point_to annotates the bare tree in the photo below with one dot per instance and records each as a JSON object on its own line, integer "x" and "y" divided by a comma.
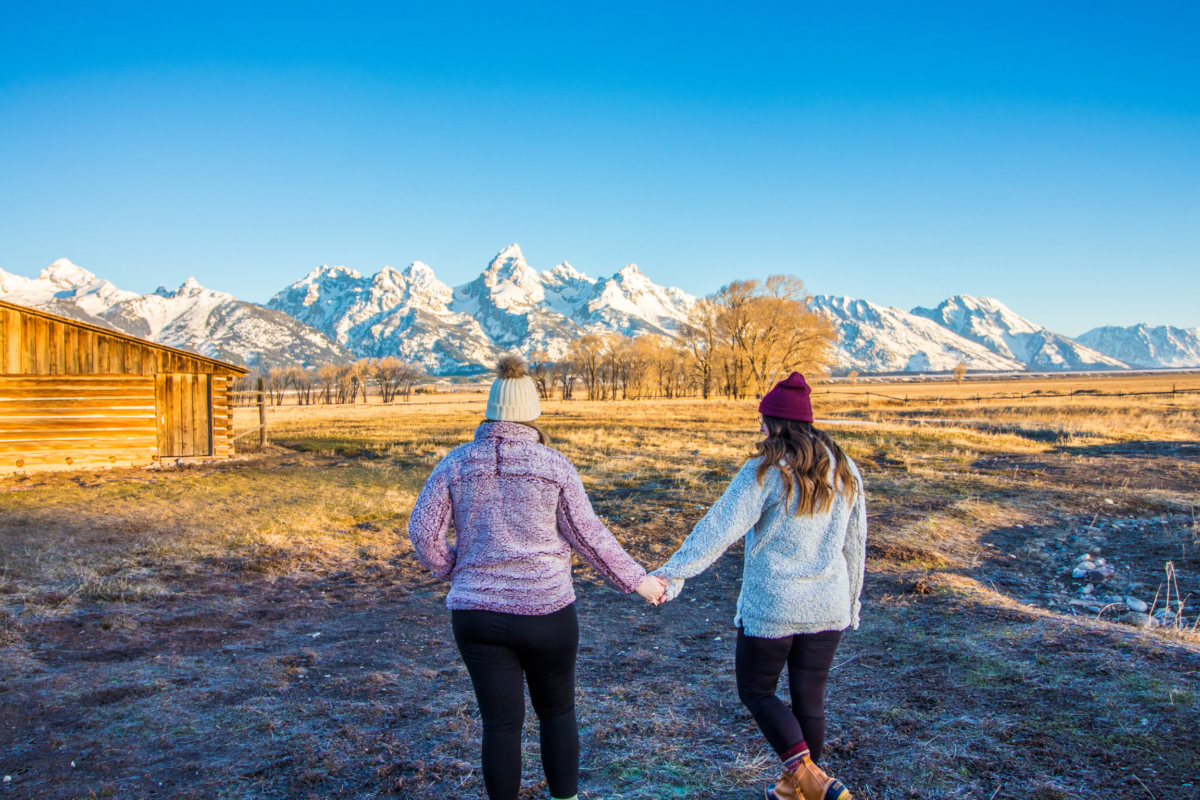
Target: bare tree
{"x": 358, "y": 374}
{"x": 562, "y": 375}
{"x": 589, "y": 355}
{"x": 326, "y": 379}
{"x": 277, "y": 382}
{"x": 387, "y": 373}
{"x": 302, "y": 381}
{"x": 343, "y": 384}
{"x": 699, "y": 339}
{"x": 409, "y": 375}
{"x": 539, "y": 370}
{"x": 960, "y": 372}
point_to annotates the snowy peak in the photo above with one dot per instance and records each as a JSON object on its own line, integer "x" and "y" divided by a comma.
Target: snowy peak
{"x": 566, "y": 288}
{"x": 565, "y": 274}
{"x": 63, "y": 284}
{"x": 872, "y": 338}
{"x": 995, "y": 326}
{"x": 1143, "y": 346}
{"x": 192, "y": 317}
{"x": 629, "y": 301}
{"x": 508, "y": 283}
{"x": 510, "y": 305}
{"x": 65, "y": 275}
{"x": 326, "y": 273}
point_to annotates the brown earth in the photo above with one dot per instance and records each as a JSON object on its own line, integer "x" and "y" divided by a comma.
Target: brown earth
{"x": 285, "y": 671}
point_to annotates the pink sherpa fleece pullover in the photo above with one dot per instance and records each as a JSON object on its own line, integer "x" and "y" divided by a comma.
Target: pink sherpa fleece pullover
{"x": 518, "y": 509}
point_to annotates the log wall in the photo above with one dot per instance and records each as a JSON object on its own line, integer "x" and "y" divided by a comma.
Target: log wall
{"x": 73, "y": 395}
{"x": 36, "y": 343}
{"x": 73, "y": 422}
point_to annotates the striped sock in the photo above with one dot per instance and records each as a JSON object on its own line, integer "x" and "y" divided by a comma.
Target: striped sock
{"x": 793, "y": 757}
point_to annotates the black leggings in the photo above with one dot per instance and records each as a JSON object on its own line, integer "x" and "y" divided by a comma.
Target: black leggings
{"x": 808, "y": 657}
{"x": 501, "y": 652}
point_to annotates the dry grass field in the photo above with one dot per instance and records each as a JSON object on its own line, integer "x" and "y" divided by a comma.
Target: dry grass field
{"x": 261, "y": 629}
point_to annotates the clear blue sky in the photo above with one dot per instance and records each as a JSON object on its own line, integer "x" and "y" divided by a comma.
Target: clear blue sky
{"x": 1047, "y": 154}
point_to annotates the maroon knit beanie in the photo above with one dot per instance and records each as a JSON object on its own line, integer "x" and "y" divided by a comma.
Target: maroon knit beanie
{"x": 790, "y": 399}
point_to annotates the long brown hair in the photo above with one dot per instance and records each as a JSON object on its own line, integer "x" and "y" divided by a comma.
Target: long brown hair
{"x": 543, "y": 437}
{"x": 794, "y": 447}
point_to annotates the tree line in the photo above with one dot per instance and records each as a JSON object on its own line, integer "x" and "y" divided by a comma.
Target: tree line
{"x": 337, "y": 383}
{"x": 737, "y": 342}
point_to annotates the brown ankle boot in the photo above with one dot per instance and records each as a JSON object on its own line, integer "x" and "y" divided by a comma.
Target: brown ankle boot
{"x": 808, "y": 782}
{"x": 783, "y": 790}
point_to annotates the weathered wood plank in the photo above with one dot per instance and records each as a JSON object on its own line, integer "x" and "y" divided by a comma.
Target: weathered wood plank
{"x": 58, "y": 348}
{"x": 81, "y": 426}
{"x": 75, "y": 380}
{"x": 60, "y": 411}
{"x": 186, "y": 422}
{"x": 29, "y": 348}
{"x": 75, "y": 405}
{"x": 160, "y": 411}
{"x": 8, "y": 335}
{"x": 204, "y": 415}
{"x": 63, "y": 445}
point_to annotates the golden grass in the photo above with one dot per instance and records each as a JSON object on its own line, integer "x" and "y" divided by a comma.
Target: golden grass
{"x": 128, "y": 534}
{"x": 120, "y": 540}
{"x": 1048, "y": 407}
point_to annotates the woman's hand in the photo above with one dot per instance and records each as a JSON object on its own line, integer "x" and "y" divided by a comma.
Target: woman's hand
{"x": 653, "y": 590}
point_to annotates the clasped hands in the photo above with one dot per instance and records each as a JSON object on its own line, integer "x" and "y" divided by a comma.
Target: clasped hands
{"x": 653, "y": 590}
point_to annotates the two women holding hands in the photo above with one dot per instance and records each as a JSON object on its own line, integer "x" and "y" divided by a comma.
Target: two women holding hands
{"x": 519, "y": 510}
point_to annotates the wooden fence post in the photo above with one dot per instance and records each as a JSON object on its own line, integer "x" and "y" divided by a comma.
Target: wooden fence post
{"x": 262, "y": 415}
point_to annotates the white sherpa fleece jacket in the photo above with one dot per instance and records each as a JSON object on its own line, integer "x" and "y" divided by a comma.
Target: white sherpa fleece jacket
{"x": 803, "y": 574}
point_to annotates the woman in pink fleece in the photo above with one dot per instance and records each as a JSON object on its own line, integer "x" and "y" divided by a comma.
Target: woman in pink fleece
{"x": 518, "y": 509}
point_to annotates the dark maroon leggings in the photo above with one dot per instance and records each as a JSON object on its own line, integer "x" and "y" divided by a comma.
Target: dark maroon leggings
{"x": 808, "y": 657}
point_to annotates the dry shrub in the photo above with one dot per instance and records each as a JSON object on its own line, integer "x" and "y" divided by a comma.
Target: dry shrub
{"x": 898, "y": 553}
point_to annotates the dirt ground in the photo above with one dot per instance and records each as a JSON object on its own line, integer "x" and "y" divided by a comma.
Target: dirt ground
{"x": 284, "y": 664}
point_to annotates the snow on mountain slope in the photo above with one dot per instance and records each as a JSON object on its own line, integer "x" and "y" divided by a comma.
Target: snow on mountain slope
{"x": 877, "y": 339}
{"x": 510, "y": 306}
{"x": 631, "y": 303}
{"x": 1146, "y": 347}
{"x": 193, "y": 318}
{"x": 508, "y": 302}
{"x": 566, "y": 288}
{"x": 404, "y": 313}
{"x": 64, "y": 289}
{"x": 995, "y": 326}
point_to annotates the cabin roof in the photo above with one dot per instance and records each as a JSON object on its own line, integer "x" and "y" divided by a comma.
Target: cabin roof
{"x": 116, "y": 334}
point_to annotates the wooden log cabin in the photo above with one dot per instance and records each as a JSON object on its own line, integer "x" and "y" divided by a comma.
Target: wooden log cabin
{"x": 77, "y": 396}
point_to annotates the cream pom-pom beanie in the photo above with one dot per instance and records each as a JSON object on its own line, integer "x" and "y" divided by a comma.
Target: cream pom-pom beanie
{"x": 513, "y": 398}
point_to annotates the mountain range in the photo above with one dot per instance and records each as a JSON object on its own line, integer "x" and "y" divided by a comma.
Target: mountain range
{"x": 510, "y": 306}
{"x": 335, "y": 314}
{"x": 211, "y": 323}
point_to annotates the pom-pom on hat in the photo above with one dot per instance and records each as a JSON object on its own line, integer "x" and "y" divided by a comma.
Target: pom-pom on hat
{"x": 790, "y": 399}
{"x": 513, "y": 398}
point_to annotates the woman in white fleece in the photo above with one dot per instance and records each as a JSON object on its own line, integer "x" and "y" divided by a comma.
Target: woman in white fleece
{"x": 799, "y": 503}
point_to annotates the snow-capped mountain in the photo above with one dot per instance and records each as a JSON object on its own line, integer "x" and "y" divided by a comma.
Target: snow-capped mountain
{"x": 873, "y": 338}
{"x": 1146, "y": 347}
{"x": 510, "y": 306}
{"x": 208, "y": 322}
{"x": 405, "y": 313}
{"x": 995, "y": 326}
{"x": 334, "y": 314}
